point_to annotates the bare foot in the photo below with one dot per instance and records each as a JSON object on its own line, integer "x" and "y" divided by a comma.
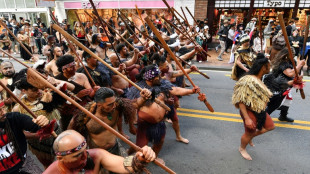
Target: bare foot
{"x": 183, "y": 140}
{"x": 251, "y": 143}
{"x": 245, "y": 154}
{"x": 161, "y": 161}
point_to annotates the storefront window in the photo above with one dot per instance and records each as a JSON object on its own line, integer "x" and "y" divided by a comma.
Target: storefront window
{"x": 20, "y": 3}
{"x": 10, "y": 4}
{"x": 304, "y": 4}
{"x": 3, "y": 3}
{"x": 30, "y": 4}
{"x": 232, "y": 4}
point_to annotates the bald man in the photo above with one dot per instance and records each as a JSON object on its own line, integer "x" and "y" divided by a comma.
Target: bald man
{"x": 73, "y": 157}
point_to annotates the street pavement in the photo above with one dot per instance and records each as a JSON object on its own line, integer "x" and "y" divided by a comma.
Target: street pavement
{"x": 215, "y": 137}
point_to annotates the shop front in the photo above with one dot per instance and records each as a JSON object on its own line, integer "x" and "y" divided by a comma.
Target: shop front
{"x": 241, "y": 11}
{"x": 108, "y": 9}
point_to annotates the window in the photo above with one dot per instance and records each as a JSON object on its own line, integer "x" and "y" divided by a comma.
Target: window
{"x": 10, "y": 4}
{"x": 30, "y": 3}
{"x": 20, "y": 3}
{"x": 232, "y": 4}
{"x": 304, "y": 4}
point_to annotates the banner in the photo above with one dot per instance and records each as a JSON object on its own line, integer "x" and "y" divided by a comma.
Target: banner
{"x": 45, "y": 3}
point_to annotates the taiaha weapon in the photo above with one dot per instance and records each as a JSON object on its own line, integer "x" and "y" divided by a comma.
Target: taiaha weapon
{"x": 75, "y": 53}
{"x": 67, "y": 91}
{"x": 83, "y": 28}
{"x": 11, "y": 33}
{"x": 128, "y": 27}
{"x": 192, "y": 16}
{"x": 260, "y": 33}
{"x": 290, "y": 54}
{"x": 305, "y": 40}
{"x": 184, "y": 17}
{"x": 185, "y": 21}
{"x": 26, "y": 108}
{"x": 56, "y": 27}
{"x": 141, "y": 19}
{"x": 93, "y": 18}
{"x": 95, "y": 12}
{"x": 155, "y": 31}
{"x": 161, "y": 19}
{"x": 185, "y": 33}
{"x": 155, "y": 41}
{"x": 125, "y": 40}
{"x": 94, "y": 117}
{"x": 203, "y": 52}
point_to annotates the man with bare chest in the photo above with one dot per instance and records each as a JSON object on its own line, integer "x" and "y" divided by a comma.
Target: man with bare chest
{"x": 51, "y": 68}
{"x": 106, "y": 108}
{"x": 73, "y": 157}
{"x": 100, "y": 46}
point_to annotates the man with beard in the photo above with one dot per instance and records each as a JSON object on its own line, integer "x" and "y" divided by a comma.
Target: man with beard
{"x": 73, "y": 157}
{"x": 150, "y": 117}
{"x": 13, "y": 143}
{"x": 108, "y": 108}
{"x": 100, "y": 46}
{"x": 67, "y": 68}
{"x": 8, "y": 72}
{"x": 51, "y": 67}
{"x": 117, "y": 81}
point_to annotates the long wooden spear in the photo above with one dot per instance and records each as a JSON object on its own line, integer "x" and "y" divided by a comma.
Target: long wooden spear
{"x": 83, "y": 28}
{"x": 59, "y": 29}
{"x": 89, "y": 15}
{"x": 290, "y": 54}
{"x": 192, "y": 16}
{"x": 141, "y": 19}
{"x": 305, "y": 40}
{"x": 155, "y": 41}
{"x": 260, "y": 33}
{"x": 92, "y": 116}
{"x": 22, "y": 104}
{"x": 75, "y": 53}
{"x": 155, "y": 31}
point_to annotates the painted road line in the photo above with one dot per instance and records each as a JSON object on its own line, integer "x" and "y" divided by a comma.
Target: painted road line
{"x": 232, "y": 115}
{"x": 240, "y": 121}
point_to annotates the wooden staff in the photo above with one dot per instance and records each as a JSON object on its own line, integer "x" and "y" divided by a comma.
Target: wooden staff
{"x": 59, "y": 29}
{"x": 83, "y": 28}
{"x": 185, "y": 17}
{"x": 155, "y": 31}
{"x": 11, "y": 33}
{"x": 155, "y": 41}
{"x": 141, "y": 19}
{"x": 203, "y": 52}
{"x": 75, "y": 53}
{"x": 174, "y": 10}
{"x": 305, "y": 40}
{"x": 93, "y": 18}
{"x": 94, "y": 117}
{"x": 290, "y": 54}
{"x": 161, "y": 19}
{"x": 192, "y": 16}
{"x": 22, "y": 104}
{"x": 95, "y": 12}
{"x": 260, "y": 33}
{"x": 67, "y": 91}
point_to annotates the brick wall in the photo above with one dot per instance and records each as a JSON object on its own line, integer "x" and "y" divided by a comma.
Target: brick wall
{"x": 201, "y": 7}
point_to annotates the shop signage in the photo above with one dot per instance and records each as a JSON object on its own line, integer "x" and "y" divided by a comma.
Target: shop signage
{"x": 113, "y": 4}
{"x": 45, "y": 3}
{"x": 86, "y": 5}
{"x": 270, "y": 3}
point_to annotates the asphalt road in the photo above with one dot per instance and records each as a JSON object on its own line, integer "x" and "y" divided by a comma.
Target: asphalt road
{"x": 215, "y": 137}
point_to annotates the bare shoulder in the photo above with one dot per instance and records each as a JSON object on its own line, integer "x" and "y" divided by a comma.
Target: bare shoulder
{"x": 80, "y": 76}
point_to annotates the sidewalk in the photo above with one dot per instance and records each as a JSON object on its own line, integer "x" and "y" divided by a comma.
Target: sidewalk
{"x": 213, "y": 63}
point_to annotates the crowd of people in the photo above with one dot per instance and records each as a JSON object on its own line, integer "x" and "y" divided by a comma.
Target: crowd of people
{"x": 82, "y": 144}
{"x": 135, "y": 52}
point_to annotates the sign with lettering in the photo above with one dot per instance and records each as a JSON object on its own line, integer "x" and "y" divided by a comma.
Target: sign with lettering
{"x": 274, "y": 3}
{"x": 45, "y": 3}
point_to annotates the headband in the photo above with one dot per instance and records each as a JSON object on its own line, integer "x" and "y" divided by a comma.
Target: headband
{"x": 1, "y": 103}
{"x": 151, "y": 74}
{"x": 68, "y": 65}
{"x": 68, "y": 152}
